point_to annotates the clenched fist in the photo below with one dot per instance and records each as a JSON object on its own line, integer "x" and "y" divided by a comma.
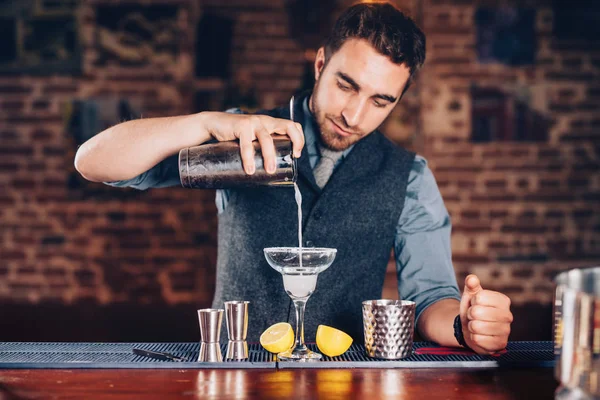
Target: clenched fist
{"x": 485, "y": 316}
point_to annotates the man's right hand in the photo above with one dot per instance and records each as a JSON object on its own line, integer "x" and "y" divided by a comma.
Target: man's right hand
{"x": 247, "y": 128}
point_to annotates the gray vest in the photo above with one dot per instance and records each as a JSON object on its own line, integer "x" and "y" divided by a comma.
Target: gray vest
{"x": 357, "y": 213}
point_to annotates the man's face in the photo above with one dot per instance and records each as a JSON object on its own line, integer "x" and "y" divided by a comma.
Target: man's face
{"x": 354, "y": 92}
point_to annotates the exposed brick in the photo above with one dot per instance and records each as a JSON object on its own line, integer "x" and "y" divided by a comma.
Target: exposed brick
{"x": 582, "y": 214}
{"x": 6, "y": 200}
{"x": 9, "y": 135}
{"x": 23, "y": 184}
{"x": 572, "y": 62}
{"x": 569, "y": 76}
{"x": 9, "y": 150}
{"x": 51, "y": 151}
{"x": 593, "y": 92}
{"x": 554, "y": 214}
{"x": 471, "y": 227}
{"x": 53, "y": 240}
{"x": 550, "y": 196}
{"x": 549, "y": 153}
{"x": 470, "y": 258}
{"x": 454, "y": 61}
{"x": 497, "y": 245}
{"x": 566, "y": 94}
{"x": 41, "y": 134}
{"x": 498, "y": 213}
{"x": 33, "y": 118}
{"x": 85, "y": 278}
{"x": 40, "y": 105}
{"x": 55, "y": 272}
{"x": 510, "y": 290}
{"x": 8, "y": 167}
{"x": 470, "y": 214}
{"x": 24, "y": 240}
{"x": 523, "y": 228}
{"x": 54, "y": 89}
{"x": 586, "y": 166}
{"x": 14, "y": 89}
{"x": 12, "y": 255}
{"x": 578, "y": 182}
{"x": 131, "y": 235}
{"x": 21, "y": 286}
{"x": 13, "y": 106}
{"x": 549, "y": 183}
{"x": 522, "y": 273}
{"x": 491, "y": 197}
{"x": 118, "y": 216}
{"x": 495, "y": 184}
{"x": 463, "y": 184}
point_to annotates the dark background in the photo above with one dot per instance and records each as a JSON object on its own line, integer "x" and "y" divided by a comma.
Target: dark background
{"x": 505, "y": 110}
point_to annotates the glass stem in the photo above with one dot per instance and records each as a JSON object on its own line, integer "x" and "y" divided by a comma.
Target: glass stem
{"x": 299, "y": 344}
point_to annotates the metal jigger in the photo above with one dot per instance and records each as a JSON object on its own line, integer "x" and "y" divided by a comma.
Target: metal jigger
{"x": 210, "y": 320}
{"x": 236, "y": 313}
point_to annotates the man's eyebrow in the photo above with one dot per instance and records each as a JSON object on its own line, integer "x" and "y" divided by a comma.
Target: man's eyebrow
{"x": 387, "y": 97}
{"x": 350, "y": 81}
{"x": 356, "y": 87}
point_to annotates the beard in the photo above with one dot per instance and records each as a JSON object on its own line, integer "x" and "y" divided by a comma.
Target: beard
{"x": 329, "y": 137}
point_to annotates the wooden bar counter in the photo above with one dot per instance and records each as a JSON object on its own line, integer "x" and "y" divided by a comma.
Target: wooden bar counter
{"x": 434, "y": 383}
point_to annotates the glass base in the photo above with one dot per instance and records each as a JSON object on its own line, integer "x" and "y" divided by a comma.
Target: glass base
{"x": 299, "y": 355}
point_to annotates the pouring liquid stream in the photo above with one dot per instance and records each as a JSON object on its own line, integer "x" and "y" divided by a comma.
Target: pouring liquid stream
{"x": 298, "y": 196}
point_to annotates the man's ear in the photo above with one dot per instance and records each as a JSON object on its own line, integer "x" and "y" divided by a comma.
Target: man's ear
{"x": 319, "y": 62}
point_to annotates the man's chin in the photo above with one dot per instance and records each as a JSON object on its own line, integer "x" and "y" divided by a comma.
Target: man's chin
{"x": 337, "y": 143}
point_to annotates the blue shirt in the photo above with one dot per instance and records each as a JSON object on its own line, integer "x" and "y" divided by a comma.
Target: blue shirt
{"x": 422, "y": 239}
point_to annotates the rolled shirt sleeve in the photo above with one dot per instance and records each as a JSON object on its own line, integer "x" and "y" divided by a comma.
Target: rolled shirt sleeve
{"x": 163, "y": 174}
{"x": 422, "y": 243}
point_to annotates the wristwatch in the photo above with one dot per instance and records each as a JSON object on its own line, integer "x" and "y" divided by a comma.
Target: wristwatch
{"x": 458, "y": 333}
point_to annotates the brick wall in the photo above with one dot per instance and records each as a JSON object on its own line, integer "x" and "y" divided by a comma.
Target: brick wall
{"x": 521, "y": 211}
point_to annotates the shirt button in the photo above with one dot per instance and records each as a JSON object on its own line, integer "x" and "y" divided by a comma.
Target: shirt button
{"x": 309, "y": 243}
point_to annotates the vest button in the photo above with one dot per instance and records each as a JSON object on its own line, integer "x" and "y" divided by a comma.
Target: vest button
{"x": 309, "y": 243}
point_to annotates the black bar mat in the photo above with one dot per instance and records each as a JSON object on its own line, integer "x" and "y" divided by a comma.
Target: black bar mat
{"x": 19, "y": 355}
{"x": 35, "y": 355}
{"x": 430, "y": 355}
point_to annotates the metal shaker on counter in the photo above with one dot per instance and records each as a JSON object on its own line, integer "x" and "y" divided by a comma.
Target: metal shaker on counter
{"x": 219, "y": 166}
{"x": 389, "y": 326}
{"x": 577, "y": 334}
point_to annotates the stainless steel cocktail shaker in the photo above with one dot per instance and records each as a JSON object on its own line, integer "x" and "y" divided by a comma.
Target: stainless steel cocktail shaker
{"x": 219, "y": 166}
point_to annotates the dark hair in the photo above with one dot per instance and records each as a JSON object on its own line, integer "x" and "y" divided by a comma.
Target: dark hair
{"x": 386, "y": 28}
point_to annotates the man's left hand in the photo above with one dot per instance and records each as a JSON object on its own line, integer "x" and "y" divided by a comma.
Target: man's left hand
{"x": 485, "y": 316}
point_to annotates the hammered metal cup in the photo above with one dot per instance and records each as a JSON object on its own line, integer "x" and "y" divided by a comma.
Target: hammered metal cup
{"x": 389, "y": 327}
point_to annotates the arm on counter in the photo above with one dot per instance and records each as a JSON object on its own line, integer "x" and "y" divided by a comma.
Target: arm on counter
{"x": 426, "y": 275}
{"x": 424, "y": 259}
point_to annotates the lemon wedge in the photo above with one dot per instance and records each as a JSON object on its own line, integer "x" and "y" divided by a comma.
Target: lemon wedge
{"x": 332, "y": 342}
{"x": 277, "y": 338}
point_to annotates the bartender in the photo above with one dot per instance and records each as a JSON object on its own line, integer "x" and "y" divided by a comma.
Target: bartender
{"x": 362, "y": 194}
